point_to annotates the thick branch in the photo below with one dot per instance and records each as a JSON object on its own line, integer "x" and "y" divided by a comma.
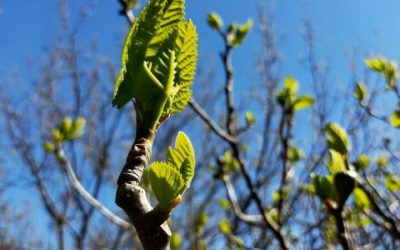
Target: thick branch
{"x": 150, "y": 223}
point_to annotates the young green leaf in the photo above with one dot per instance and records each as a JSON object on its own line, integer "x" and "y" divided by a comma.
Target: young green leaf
{"x": 166, "y": 182}
{"x": 395, "y": 119}
{"x": 392, "y": 183}
{"x": 360, "y": 92}
{"x": 214, "y": 21}
{"x": 303, "y": 102}
{"x": 241, "y": 32}
{"x": 344, "y": 185}
{"x": 183, "y": 157}
{"x": 361, "y": 199}
{"x": 336, "y": 162}
{"x": 385, "y": 68}
{"x": 158, "y": 63}
{"x": 336, "y": 138}
{"x": 362, "y": 161}
{"x": 294, "y": 154}
{"x": 250, "y": 120}
{"x": 324, "y": 188}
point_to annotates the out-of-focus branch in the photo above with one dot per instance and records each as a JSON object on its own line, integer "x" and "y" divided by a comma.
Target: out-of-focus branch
{"x": 210, "y": 122}
{"x": 66, "y": 165}
{"x": 235, "y": 147}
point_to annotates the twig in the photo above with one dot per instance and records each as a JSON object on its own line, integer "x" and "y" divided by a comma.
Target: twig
{"x": 86, "y": 195}
{"x": 209, "y": 121}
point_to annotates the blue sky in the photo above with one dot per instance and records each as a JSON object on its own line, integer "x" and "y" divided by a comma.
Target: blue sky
{"x": 369, "y": 26}
{"x": 29, "y": 26}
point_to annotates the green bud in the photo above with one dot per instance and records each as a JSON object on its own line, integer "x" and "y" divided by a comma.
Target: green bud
{"x": 49, "y": 147}
{"x": 214, "y": 21}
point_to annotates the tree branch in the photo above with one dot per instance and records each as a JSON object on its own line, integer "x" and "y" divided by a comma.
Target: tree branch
{"x": 66, "y": 165}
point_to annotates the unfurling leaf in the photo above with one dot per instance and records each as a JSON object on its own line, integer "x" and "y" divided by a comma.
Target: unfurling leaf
{"x": 294, "y": 154}
{"x": 324, "y": 187}
{"x": 385, "y": 68}
{"x": 176, "y": 241}
{"x": 183, "y": 157}
{"x": 250, "y": 120}
{"x": 214, "y": 21}
{"x": 336, "y": 138}
{"x": 289, "y": 91}
{"x": 49, "y": 147}
{"x": 361, "y": 199}
{"x": 241, "y": 32}
{"x": 336, "y": 162}
{"x": 360, "y": 92}
{"x": 158, "y": 63}
{"x": 382, "y": 161}
{"x": 201, "y": 220}
{"x": 392, "y": 183}
{"x": 344, "y": 185}
{"x": 395, "y": 119}
{"x": 303, "y": 102}
{"x": 166, "y": 182}
{"x": 224, "y": 226}
{"x": 362, "y": 161}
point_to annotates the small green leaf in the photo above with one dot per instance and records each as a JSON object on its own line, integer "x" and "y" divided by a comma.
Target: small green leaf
{"x": 336, "y": 162}
{"x": 382, "y": 161}
{"x": 76, "y": 129}
{"x": 224, "y": 203}
{"x": 214, "y": 21}
{"x": 362, "y": 161}
{"x": 201, "y": 220}
{"x": 344, "y": 185}
{"x": 250, "y": 120}
{"x": 57, "y": 135}
{"x": 66, "y": 125}
{"x": 49, "y": 147}
{"x": 336, "y": 138}
{"x": 392, "y": 183}
{"x": 291, "y": 86}
{"x": 224, "y": 226}
{"x": 183, "y": 157}
{"x": 361, "y": 199}
{"x": 303, "y": 102}
{"x": 166, "y": 183}
{"x": 395, "y": 119}
{"x": 294, "y": 154}
{"x": 323, "y": 186}
{"x": 360, "y": 92}
{"x": 176, "y": 241}
{"x": 385, "y": 68}
{"x": 241, "y": 32}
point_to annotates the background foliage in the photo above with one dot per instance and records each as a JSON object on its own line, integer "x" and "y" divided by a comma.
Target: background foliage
{"x": 260, "y": 140}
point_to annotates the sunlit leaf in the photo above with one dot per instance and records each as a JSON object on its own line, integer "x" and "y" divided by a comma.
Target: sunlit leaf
{"x": 360, "y": 92}
{"x": 395, "y": 119}
{"x": 385, "y": 68}
{"x": 336, "y": 138}
{"x": 361, "y": 199}
{"x": 241, "y": 32}
{"x": 336, "y": 162}
{"x": 214, "y": 21}
{"x": 392, "y": 183}
{"x": 303, "y": 102}
{"x": 166, "y": 182}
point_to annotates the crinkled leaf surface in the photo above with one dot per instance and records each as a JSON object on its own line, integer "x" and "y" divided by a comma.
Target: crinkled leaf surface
{"x": 158, "y": 61}
{"x": 183, "y": 157}
{"x": 166, "y": 182}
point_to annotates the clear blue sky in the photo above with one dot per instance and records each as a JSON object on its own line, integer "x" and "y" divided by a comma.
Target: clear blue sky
{"x": 371, "y": 26}
{"x": 27, "y": 27}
